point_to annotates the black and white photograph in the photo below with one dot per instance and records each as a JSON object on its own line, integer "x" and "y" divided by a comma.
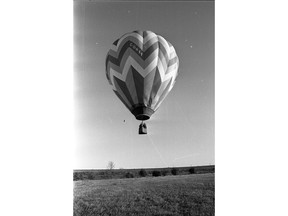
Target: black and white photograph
{"x": 121, "y": 107}
{"x": 144, "y": 108}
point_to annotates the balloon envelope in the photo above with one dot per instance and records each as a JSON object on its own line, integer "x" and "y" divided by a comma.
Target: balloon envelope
{"x": 142, "y": 67}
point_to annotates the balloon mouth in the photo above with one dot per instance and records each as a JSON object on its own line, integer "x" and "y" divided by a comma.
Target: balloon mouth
{"x": 142, "y": 113}
{"x": 142, "y": 117}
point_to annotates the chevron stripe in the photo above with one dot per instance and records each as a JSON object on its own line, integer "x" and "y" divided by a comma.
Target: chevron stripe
{"x": 114, "y": 50}
{"x": 156, "y": 85}
{"x": 118, "y": 64}
{"x": 115, "y": 42}
{"x": 141, "y": 67}
{"x": 139, "y": 88}
{"x": 148, "y": 83}
{"x": 173, "y": 61}
{"x": 121, "y": 95}
{"x": 149, "y": 36}
{"x": 131, "y": 62}
{"x": 159, "y": 93}
{"x": 122, "y": 85}
{"x": 150, "y": 63}
{"x": 163, "y": 61}
{"x": 126, "y": 48}
{"x": 134, "y": 37}
{"x": 163, "y": 95}
{"x": 123, "y": 101}
{"x": 131, "y": 86}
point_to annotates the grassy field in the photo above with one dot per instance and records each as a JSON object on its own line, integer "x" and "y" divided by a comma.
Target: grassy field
{"x": 165, "y": 195}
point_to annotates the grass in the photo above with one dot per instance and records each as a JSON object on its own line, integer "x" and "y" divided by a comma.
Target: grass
{"x": 166, "y": 195}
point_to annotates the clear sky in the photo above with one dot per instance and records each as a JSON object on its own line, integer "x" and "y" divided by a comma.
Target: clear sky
{"x": 181, "y": 132}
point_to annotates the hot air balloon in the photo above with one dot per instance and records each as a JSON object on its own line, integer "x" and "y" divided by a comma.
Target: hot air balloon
{"x": 141, "y": 67}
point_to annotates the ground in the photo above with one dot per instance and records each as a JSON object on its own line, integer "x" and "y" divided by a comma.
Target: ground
{"x": 166, "y": 195}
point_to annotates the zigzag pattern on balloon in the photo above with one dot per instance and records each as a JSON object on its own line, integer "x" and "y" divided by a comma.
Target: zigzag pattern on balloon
{"x": 142, "y": 67}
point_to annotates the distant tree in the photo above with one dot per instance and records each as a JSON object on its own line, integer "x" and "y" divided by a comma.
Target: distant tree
{"x": 90, "y": 176}
{"x": 142, "y": 173}
{"x": 129, "y": 175}
{"x": 111, "y": 165}
{"x": 77, "y": 176}
{"x": 164, "y": 172}
{"x": 156, "y": 173}
{"x": 192, "y": 170}
{"x": 174, "y": 171}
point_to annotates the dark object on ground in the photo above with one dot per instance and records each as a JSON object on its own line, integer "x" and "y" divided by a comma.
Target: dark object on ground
{"x": 174, "y": 171}
{"x": 129, "y": 175}
{"x": 192, "y": 170}
{"x": 142, "y": 173}
{"x": 156, "y": 173}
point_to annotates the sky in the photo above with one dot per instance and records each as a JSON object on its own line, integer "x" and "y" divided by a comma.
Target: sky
{"x": 181, "y": 131}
